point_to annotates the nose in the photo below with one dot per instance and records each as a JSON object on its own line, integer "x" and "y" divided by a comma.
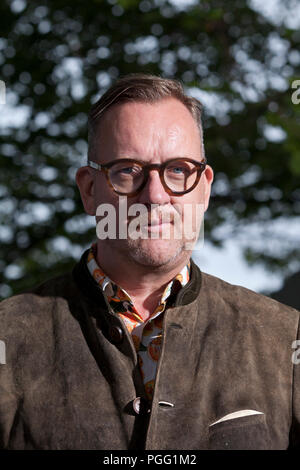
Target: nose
{"x": 153, "y": 191}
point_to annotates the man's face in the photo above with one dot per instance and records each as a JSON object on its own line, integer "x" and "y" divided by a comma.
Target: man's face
{"x": 152, "y": 133}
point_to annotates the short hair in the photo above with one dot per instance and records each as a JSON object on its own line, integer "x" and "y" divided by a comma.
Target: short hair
{"x": 141, "y": 88}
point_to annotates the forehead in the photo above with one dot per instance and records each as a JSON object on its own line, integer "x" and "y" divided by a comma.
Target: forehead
{"x": 138, "y": 128}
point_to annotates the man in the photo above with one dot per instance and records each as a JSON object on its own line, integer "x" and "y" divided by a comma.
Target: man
{"x": 136, "y": 348}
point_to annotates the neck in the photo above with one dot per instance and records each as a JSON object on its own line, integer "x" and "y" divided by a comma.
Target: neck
{"x": 144, "y": 284}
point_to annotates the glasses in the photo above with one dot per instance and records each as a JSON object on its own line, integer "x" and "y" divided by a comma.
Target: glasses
{"x": 128, "y": 177}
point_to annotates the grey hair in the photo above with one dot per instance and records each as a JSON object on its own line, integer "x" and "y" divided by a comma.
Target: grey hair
{"x": 141, "y": 88}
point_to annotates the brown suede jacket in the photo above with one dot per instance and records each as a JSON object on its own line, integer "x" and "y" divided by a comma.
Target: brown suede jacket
{"x": 71, "y": 378}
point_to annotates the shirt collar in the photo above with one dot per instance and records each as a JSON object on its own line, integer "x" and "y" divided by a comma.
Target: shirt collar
{"x": 112, "y": 290}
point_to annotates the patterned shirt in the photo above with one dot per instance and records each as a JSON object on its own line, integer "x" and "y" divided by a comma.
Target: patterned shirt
{"x": 146, "y": 335}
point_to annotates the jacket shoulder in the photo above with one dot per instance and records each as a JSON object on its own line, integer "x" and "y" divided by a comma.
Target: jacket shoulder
{"x": 37, "y": 304}
{"x": 245, "y": 301}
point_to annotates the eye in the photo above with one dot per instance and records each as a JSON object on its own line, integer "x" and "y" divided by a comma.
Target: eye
{"x": 131, "y": 170}
{"x": 178, "y": 169}
{"x": 127, "y": 170}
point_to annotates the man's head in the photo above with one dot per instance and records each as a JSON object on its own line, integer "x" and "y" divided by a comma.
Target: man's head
{"x": 151, "y": 120}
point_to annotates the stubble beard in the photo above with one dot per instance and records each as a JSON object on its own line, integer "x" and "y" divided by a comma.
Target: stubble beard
{"x": 155, "y": 253}
{"x": 165, "y": 250}
{"x": 147, "y": 253}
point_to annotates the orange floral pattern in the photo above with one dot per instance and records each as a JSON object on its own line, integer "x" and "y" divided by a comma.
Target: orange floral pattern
{"x": 154, "y": 349}
{"x": 146, "y": 335}
{"x": 149, "y": 387}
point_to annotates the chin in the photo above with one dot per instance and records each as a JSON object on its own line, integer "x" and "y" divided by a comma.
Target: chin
{"x": 156, "y": 253}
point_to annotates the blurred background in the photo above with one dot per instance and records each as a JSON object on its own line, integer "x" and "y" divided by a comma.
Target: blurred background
{"x": 239, "y": 57}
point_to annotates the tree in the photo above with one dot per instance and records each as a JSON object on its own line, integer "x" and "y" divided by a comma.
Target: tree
{"x": 58, "y": 57}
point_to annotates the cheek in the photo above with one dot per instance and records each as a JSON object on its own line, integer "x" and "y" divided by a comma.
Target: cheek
{"x": 197, "y": 196}
{"x": 103, "y": 193}
{"x": 190, "y": 210}
{"x": 106, "y": 203}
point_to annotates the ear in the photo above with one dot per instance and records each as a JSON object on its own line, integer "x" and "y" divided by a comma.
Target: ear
{"x": 85, "y": 183}
{"x": 208, "y": 179}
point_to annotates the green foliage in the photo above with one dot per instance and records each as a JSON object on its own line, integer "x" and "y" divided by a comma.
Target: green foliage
{"x": 57, "y": 57}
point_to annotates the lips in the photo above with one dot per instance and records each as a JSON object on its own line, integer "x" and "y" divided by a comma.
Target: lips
{"x": 162, "y": 219}
{"x": 155, "y": 223}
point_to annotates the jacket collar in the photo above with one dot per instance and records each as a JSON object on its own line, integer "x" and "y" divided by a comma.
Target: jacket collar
{"x": 90, "y": 288}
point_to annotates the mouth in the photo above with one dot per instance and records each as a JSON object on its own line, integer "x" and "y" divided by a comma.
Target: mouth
{"x": 159, "y": 219}
{"x": 159, "y": 224}
{"x": 158, "y": 227}
{"x": 155, "y": 225}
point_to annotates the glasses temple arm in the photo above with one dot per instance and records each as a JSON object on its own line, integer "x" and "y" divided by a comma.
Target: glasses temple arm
{"x": 94, "y": 165}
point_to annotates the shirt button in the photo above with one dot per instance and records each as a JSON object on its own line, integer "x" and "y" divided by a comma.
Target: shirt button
{"x": 116, "y": 334}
